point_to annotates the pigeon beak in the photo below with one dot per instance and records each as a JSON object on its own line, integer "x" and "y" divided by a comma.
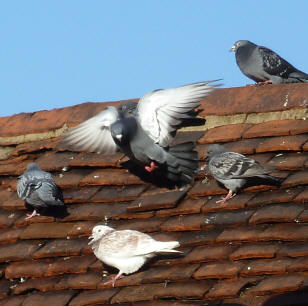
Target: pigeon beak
{"x": 90, "y": 242}
{"x": 232, "y": 49}
{"x": 119, "y": 136}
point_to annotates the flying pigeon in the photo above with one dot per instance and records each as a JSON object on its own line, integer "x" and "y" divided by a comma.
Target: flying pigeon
{"x": 38, "y": 189}
{"x": 145, "y": 131}
{"x": 264, "y": 66}
{"x": 233, "y": 170}
{"x": 126, "y": 250}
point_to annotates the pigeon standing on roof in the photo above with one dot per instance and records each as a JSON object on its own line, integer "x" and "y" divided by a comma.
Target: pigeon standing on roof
{"x": 126, "y": 250}
{"x": 38, "y": 189}
{"x": 233, "y": 170}
{"x": 144, "y": 132}
{"x": 264, "y": 66}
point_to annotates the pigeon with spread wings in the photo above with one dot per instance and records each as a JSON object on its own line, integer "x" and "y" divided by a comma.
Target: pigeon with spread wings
{"x": 38, "y": 189}
{"x": 126, "y": 250}
{"x": 145, "y": 132}
{"x": 233, "y": 170}
{"x": 265, "y": 66}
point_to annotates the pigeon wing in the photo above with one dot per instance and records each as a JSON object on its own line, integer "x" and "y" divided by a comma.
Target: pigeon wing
{"x": 161, "y": 111}
{"x": 231, "y": 165}
{"x": 128, "y": 243}
{"x": 273, "y": 64}
{"x": 94, "y": 135}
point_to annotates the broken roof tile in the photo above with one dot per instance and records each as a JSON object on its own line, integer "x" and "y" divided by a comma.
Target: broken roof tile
{"x": 277, "y": 128}
{"x": 224, "y": 133}
{"x": 255, "y": 251}
{"x": 156, "y": 201}
{"x": 277, "y": 284}
{"x": 219, "y": 270}
{"x": 283, "y": 143}
{"x": 183, "y": 223}
{"x": 286, "y": 212}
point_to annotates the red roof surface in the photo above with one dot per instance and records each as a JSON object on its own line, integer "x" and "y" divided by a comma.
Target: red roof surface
{"x": 251, "y": 251}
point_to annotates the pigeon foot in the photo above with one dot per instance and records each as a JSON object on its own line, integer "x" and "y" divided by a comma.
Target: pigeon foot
{"x": 151, "y": 168}
{"x": 114, "y": 278}
{"x": 34, "y": 213}
{"x": 229, "y": 196}
{"x": 265, "y": 82}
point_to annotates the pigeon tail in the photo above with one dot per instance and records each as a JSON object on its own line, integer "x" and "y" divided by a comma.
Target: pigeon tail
{"x": 168, "y": 246}
{"x": 301, "y": 76}
{"x": 272, "y": 180}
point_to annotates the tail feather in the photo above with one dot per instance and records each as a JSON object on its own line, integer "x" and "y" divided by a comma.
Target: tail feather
{"x": 167, "y": 247}
{"x": 272, "y": 180}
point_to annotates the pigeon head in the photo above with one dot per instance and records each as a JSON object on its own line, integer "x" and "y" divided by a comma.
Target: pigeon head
{"x": 239, "y": 44}
{"x": 215, "y": 149}
{"x": 128, "y": 108}
{"x": 119, "y": 132}
{"x": 33, "y": 166}
{"x": 98, "y": 232}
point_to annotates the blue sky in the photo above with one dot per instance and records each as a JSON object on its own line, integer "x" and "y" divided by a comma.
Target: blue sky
{"x": 60, "y": 53}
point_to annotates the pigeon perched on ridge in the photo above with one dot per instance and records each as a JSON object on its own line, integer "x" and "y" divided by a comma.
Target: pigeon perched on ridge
{"x": 126, "y": 250}
{"x": 264, "y": 66}
{"x": 38, "y": 189}
{"x": 145, "y": 131}
{"x": 233, "y": 170}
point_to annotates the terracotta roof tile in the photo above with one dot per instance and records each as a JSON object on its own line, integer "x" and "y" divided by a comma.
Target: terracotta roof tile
{"x": 223, "y": 134}
{"x": 286, "y": 212}
{"x": 55, "y": 161}
{"x": 81, "y": 229}
{"x": 144, "y": 225}
{"x": 187, "y": 206}
{"x": 16, "y": 167}
{"x": 297, "y": 178}
{"x": 79, "y": 195}
{"x": 26, "y": 269}
{"x": 277, "y": 128}
{"x": 303, "y": 217}
{"x": 299, "y": 264}
{"x": 79, "y": 281}
{"x": 49, "y": 298}
{"x": 294, "y": 250}
{"x": 228, "y": 289}
{"x": 93, "y": 297}
{"x": 219, "y": 270}
{"x": 302, "y": 197}
{"x": 156, "y": 201}
{"x": 278, "y": 284}
{"x": 289, "y": 161}
{"x": 244, "y": 146}
{"x": 46, "y": 230}
{"x": 13, "y": 300}
{"x": 61, "y": 247}
{"x": 235, "y": 203}
{"x": 283, "y": 143}
{"x": 18, "y": 251}
{"x": 22, "y": 222}
{"x": 255, "y": 251}
{"x": 240, "y": 234}
{"x": 9, "y": 235}
{"x": 7, "y": 218}
{"x": 286, "y": 232}
{"x": 4, "y": 288}
{"x": 70, "y": 179}
{"x": 205, "y": 189}
{"x": 13, "y": 203}
{"x": 183, "y": 223}
{"x": 261, "y": 267}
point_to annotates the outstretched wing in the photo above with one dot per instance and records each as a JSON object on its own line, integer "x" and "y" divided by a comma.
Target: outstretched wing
{"x": 274, "y": 64}
{"x": 94, "y": 135}
{"x": 230, "y": 165}
{"x": 160, "y": 112}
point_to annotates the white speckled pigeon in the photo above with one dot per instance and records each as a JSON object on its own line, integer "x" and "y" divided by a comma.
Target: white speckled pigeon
{"x": 145, "y": 134}
{"x": 38, "y": 189}
{"x": 234, "y": 169}
{"x": 264, "y": 66}
{"x": 126, "y": 250}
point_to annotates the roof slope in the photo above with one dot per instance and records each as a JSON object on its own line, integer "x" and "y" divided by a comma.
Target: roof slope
{"x": 245, "y": 252}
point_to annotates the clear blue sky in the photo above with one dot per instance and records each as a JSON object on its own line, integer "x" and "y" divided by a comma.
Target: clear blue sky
{"x": 59, "y": 53}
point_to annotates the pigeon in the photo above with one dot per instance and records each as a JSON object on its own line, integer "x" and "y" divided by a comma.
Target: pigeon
{"x": 126, "y": 250}
{"x": 264, "y": 66}
{"x": 233, "y": 170}
{"x": 144, "y": 131}
{"x": 38, "y": 189}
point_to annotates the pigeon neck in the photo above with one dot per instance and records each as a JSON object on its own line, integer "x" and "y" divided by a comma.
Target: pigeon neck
{"x": 243, "y": 53}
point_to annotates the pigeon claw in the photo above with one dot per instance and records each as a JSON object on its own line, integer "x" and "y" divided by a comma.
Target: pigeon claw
{"x": 114, "y": 278}
{"x": 229, "y": 196}
{"x": 265, "y": 82}
{"x": 34, "y": 213}
{"x": 151, "y": 168}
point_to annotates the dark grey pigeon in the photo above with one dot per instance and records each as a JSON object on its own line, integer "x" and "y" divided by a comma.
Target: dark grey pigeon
{"x": 38, "y": 189}
{"x": 145, "y": 133}
{"x": 233, "y": 170}
{"x": 264, "y": 66}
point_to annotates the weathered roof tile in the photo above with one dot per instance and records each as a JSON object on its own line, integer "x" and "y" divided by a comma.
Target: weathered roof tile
{"x": 183, "y": 223}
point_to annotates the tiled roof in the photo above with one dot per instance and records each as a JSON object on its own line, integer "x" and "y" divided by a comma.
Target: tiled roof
{"x": 251, "y": 251}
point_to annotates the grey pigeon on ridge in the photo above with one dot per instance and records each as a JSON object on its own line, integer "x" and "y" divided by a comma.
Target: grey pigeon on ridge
{"x": 38, "y": 189}
{"x": 126, "y": 250}
{"x": 264, "y": 66}
{"x": 145, "y": 133}
{"x": 233, "y": 170}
